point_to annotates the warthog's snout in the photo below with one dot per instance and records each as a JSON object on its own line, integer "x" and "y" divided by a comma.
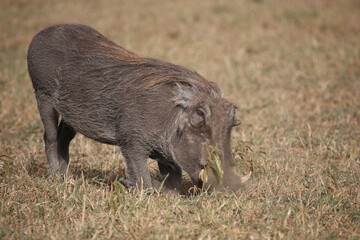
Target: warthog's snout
{"x": 230, "y": 181}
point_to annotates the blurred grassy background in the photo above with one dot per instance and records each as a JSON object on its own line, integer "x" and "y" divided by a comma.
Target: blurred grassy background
{"x": 292, "y": 67}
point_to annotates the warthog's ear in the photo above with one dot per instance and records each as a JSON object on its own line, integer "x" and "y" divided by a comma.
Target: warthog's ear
{"x": 184, "y": 95}
{"x": 216, "y": 88}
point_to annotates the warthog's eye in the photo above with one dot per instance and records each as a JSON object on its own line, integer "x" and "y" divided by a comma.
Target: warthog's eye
{"x": 200, "y": 112}
{"x": 197, "y": 118}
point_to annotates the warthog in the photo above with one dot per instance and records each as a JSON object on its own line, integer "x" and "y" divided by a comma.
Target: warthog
{"x": 148, "y": 107}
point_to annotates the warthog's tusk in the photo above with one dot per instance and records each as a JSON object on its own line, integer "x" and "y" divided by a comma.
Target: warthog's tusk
{"x": 201, "y": 175}
{"x": 246, "y": 177}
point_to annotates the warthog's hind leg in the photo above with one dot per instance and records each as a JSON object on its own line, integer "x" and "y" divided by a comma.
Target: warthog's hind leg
{"x": 64, "y": 136}
{"x": 49, "y": 117}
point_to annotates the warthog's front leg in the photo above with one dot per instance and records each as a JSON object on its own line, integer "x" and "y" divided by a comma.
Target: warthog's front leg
{"x": 173, "y": 176}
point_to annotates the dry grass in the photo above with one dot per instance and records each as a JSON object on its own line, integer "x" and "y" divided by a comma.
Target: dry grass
{"x": 293, "y": 68}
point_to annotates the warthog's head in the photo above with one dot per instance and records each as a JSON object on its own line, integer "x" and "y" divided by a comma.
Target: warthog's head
{"x": 204, "y": 132}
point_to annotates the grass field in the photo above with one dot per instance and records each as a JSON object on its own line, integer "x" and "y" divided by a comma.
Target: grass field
{"x": 292, "y": 68}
